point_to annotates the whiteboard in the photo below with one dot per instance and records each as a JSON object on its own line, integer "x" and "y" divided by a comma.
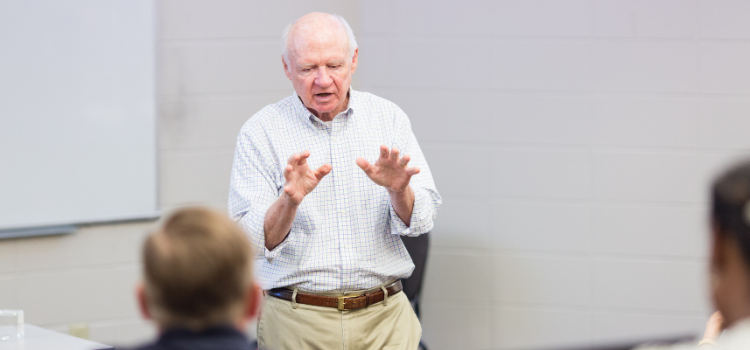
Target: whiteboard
{"x": 77, "y": 112}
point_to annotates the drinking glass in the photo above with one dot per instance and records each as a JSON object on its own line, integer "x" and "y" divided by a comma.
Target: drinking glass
{"x": 11, "y": 325}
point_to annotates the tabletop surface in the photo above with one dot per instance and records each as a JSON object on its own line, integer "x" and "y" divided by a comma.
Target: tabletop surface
{"x": 38, "y": 338}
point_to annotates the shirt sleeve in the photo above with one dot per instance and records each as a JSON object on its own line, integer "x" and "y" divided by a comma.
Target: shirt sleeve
{"x": 254, "y": 186}
{"x": 427, "y": 200}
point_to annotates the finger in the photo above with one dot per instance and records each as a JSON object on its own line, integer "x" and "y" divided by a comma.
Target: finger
{"x": 288, "y": 171}
{"x": 394, "y": 154}
{"x": 288, "y": 190}
{"x": 404, "y": 161}
{"x": 364, "y": 165}
{"x": 324, "y": 170}
{"x": 303, "y": 157}
{"x": 293, "y": 159}
{"x": 383, "y": 151}
{"x": 412, "y": 171}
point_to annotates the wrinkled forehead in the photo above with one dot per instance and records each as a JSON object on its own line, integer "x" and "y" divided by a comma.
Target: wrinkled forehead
{"x": 319, "y": 39}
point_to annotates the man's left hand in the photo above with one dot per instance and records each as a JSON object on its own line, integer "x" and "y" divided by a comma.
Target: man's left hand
{"x": 389, "y": 170}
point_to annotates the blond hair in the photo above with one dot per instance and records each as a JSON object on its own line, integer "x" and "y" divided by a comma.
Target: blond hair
{"x": 197, "y": 269}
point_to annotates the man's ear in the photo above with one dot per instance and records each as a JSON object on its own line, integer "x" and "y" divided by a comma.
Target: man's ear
{"x": 286, "y": 68}
{"x": 253, "y": 299}
{"x": 140, "y": 294}
{"x": 355, "y": 58}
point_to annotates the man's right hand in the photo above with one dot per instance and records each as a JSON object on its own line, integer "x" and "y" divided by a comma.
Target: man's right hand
{"x": 300, "y": 179}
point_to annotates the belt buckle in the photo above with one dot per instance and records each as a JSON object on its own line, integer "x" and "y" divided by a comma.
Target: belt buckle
{"x": 342, "y": 299}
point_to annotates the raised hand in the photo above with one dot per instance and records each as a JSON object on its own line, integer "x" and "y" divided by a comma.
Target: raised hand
{"x": 389, "y": 171}
{"x": 714, "y": 327}
{"x": 300, "y": 179}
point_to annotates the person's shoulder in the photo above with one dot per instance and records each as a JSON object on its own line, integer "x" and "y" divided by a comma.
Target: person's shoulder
{"x": 269, "y": 114}
{"x": 371, "y": 99}
{"x": 146, "y": 346}
{"x": 377, "y": 106}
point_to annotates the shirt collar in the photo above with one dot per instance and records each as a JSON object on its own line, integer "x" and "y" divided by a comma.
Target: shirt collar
{"x": 221, "y": 331}
{"x": 306, "y": 115}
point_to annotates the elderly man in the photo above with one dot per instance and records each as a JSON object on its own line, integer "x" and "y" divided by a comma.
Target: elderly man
{"x": 198, "y": 283}
{"x": 324, "y": 182}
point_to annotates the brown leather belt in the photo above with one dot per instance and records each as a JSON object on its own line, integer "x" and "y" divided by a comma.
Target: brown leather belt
{"x": 346, "y": 302}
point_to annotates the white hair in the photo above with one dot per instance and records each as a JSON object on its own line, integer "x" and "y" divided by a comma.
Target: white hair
{"x": 349, "y": 34}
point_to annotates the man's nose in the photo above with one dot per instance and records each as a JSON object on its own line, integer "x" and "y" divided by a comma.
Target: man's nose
{"x": 324, "y": 77}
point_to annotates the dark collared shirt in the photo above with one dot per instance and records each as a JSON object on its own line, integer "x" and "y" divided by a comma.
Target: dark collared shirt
{"x": 215, "y": 338}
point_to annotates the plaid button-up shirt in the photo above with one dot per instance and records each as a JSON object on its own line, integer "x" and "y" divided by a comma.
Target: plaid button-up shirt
{"x": 345, "y": 235}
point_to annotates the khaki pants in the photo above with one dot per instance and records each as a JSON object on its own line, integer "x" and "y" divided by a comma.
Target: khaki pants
{"x": 378, "y": 326}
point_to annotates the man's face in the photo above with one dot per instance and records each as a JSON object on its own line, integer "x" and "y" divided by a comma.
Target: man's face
{"x": 321, "y": 71}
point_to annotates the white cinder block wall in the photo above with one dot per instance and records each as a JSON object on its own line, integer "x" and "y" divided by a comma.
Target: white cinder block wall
{"x": 573, "y": 142}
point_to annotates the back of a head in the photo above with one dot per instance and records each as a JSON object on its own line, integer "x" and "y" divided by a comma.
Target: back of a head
{"x": 197, "y": 270}
{"x": 731, "y": 206}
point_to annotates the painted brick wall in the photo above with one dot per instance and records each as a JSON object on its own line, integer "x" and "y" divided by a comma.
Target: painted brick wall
{"x": 573, "y": 142}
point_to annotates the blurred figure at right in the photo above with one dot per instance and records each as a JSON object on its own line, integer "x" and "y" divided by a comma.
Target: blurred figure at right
{"x": 729, "y": 263}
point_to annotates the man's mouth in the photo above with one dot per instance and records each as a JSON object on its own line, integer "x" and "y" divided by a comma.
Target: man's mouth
{"x": 325, "y": 94}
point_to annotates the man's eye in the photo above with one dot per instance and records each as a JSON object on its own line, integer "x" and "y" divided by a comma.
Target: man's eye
{"x": 334, "y": 67}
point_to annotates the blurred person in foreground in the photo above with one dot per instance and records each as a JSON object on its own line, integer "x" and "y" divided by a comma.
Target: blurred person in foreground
{"x": 325, "y": 182}
{"x": 198, "y": 284}
{"x": 729, "y": 263}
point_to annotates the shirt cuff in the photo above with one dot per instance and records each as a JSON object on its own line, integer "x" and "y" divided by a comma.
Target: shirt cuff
{"x": 271, "y": 254}
{"x": 398, "y": 227}
{"x": 420, "y": 221}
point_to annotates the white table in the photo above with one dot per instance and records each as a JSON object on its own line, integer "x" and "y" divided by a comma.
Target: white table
{"x": 38, "y": 338}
